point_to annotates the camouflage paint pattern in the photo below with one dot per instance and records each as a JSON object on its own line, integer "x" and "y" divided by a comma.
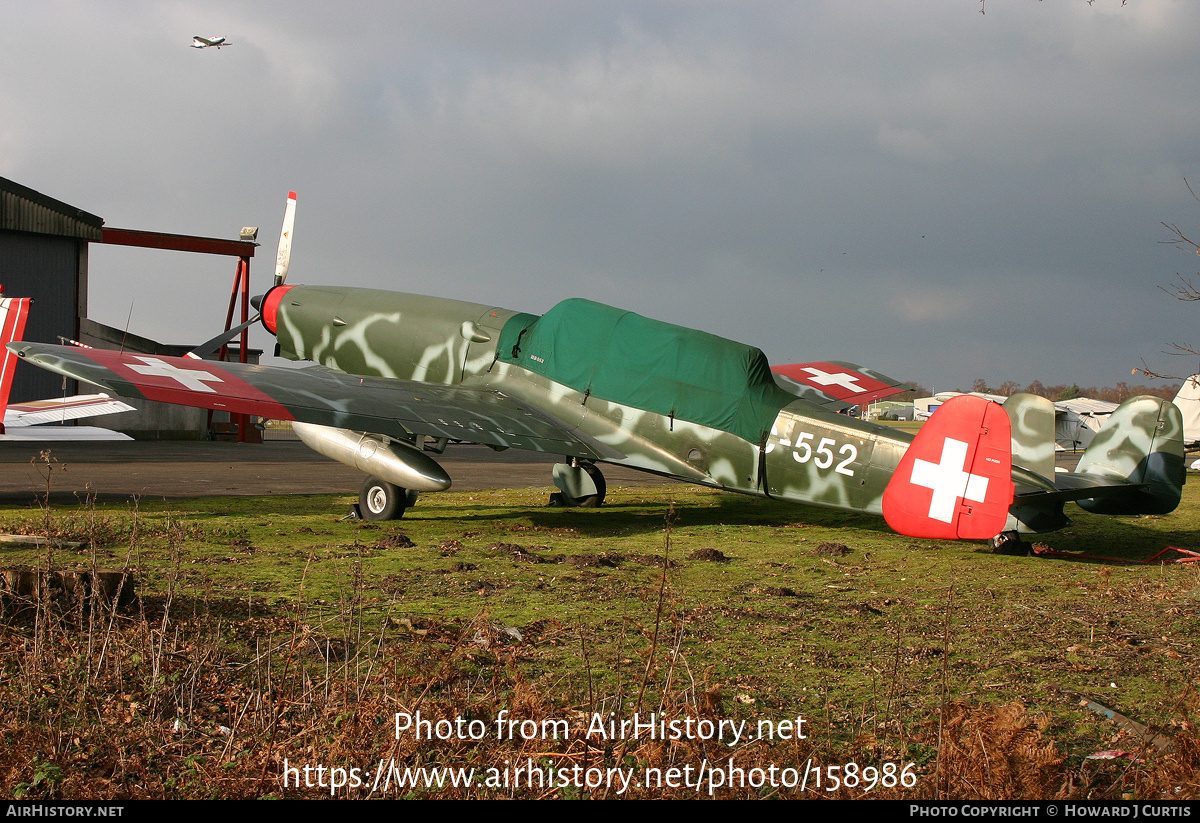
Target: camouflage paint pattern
{"x": 402, "y": 365}
{"x": 1032, "y": 419}
{"x": 1143, "y": 442}
{"x": 811, "y": 456}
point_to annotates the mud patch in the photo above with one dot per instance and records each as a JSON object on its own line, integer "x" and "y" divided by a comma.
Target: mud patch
{"x": 708, "y": 556}
{"x": 394, "y": 540}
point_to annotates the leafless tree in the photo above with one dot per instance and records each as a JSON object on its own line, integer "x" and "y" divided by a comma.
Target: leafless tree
{"x": 1184, "y": 288}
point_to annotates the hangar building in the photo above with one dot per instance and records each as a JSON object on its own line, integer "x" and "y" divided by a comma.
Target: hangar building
{"x": 44, "y": 255}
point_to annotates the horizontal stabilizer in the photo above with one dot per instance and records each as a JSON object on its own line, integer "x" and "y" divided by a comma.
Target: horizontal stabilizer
{"x": 61, "y": 409}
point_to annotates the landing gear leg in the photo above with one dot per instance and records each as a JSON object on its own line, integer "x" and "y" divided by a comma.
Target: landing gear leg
{"x": 381, "y": 500}
{"x": 581, "y": 485}
{"x": 1008, "y": 543}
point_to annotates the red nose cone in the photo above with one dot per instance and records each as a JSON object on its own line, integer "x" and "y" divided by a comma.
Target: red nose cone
{"x": 270, "y": 306}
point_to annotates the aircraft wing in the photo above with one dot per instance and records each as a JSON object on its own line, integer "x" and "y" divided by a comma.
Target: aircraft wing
{"x": 59, "y": 409}
{"x": 394, "y": 408}
{"x": 837, "y": 385}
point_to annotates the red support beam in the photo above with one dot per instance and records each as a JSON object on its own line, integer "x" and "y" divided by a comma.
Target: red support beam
{"x": 241, "y": 249}
{"x": 241, "y": 287}
{"x": 177, "y": 242}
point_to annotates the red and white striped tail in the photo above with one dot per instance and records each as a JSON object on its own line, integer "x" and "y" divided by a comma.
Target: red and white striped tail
{"x": 14, "y": 311}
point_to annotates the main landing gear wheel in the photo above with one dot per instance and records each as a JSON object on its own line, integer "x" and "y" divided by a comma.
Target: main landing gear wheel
{"x": 583, "y": 501}
{"x": 381, "y": 500}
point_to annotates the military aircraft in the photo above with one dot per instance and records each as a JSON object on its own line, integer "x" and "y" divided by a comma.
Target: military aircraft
{"x": 199, "y": 42}
{"x": 396, "y": 376}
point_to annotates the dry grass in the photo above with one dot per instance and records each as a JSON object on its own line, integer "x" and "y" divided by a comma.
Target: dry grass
{"x": 187, "y": 697}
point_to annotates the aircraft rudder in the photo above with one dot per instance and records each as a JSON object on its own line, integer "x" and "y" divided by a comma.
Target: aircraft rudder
{"x": 955, "y": 480}
{"x": 1032, "y": 419}
{"x": 14, "y": 312}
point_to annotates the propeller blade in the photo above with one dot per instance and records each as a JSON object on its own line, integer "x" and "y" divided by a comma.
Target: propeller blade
{"x": 285, "y": 240}
{"x": 211, "y": 346}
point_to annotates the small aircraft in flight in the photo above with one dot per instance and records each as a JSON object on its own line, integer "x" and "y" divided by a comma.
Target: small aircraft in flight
{"x": 199, "y": 42}
{"x": 24, "y": 421}
{"x": 396, "y": 376}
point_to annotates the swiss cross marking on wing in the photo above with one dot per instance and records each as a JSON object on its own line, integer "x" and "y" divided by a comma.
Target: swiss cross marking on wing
{"x": 192, "y": 379}
{"x": 847, "y": 381}
{"x": 948, "y": 480}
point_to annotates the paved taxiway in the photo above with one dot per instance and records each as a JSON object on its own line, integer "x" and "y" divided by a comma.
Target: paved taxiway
{"x": 118, "y": 471}
{"x": 163, "y": 469}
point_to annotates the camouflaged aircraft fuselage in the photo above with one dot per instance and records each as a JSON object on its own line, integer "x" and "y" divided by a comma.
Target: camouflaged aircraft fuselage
{"x": 796, "y": 451}
{"x": 597, "y": 383}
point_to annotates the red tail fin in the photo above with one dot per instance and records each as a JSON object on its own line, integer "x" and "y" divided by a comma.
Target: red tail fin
{"x": 14, "y": 311}
{"x": 955, "y": 480}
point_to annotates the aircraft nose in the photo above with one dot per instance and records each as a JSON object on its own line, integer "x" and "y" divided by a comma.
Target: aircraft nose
{"x": 256, "y": 301}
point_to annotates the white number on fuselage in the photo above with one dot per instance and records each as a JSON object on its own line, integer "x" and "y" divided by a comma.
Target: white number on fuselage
{"x": 803, "y": 451}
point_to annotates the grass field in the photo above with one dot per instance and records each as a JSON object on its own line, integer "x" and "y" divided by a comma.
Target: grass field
{"x": 269, "y": 629}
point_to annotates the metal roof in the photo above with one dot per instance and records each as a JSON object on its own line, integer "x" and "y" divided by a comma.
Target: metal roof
{"x": 23, "y": 209}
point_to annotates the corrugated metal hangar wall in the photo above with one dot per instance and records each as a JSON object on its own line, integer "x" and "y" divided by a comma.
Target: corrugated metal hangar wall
{"x": 43, "y": 255}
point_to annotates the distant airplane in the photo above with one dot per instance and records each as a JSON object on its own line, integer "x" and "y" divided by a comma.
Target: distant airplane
{"x": 22, "y": 421}
{"x": 208, "y": 42}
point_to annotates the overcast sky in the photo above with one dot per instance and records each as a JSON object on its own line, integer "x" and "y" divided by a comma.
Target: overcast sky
{"x": 930, "y": 191}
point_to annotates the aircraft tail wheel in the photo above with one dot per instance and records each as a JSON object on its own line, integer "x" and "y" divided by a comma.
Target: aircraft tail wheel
{"x": 381, "y": 500}
{"x": 586, "y": 501}
{"x": 1008, "y": 543}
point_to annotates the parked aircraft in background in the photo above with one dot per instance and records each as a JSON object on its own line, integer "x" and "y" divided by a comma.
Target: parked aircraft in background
{"x": 1076, "y": 421}
{"x": 397, "y": 376}
{"x": 24, "y": 421}
{"x": 1188, "y": 401}
{"x": 209, "y": 42}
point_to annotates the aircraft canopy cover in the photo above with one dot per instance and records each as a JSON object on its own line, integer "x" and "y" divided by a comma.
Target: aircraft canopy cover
{"x": 625, "y": 358}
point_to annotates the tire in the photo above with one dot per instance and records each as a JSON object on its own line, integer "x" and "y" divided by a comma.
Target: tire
{"x": 1008, "y": 543}
{"x": 381, "y": 500}
{"x": 592, "y": 500}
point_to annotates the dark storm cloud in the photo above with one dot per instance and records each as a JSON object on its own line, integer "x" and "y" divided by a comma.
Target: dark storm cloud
{"x": 934, "y": 192}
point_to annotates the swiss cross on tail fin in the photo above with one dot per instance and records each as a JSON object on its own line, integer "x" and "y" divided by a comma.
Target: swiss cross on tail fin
{"x": 955, "y": 480}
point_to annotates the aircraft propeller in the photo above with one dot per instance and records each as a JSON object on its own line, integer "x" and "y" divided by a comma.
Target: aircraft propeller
{"x": 284, "y": 257}
{"x": 282, "y": 260}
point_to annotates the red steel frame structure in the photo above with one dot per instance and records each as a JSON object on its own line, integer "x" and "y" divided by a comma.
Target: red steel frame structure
{"x": 243, "y": 250}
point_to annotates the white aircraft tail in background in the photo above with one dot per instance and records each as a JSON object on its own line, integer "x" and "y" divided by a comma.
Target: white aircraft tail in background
{"x": 1188, "y": 401}
{"x": 22, "y": 421}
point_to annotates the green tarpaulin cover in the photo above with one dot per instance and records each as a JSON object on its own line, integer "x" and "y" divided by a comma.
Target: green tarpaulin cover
{"x": 625, "y": 358}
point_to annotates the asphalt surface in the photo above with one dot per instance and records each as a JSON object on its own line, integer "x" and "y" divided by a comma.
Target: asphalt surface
{"x": 117, "y": 471}
{"x": 168, "y": 469}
